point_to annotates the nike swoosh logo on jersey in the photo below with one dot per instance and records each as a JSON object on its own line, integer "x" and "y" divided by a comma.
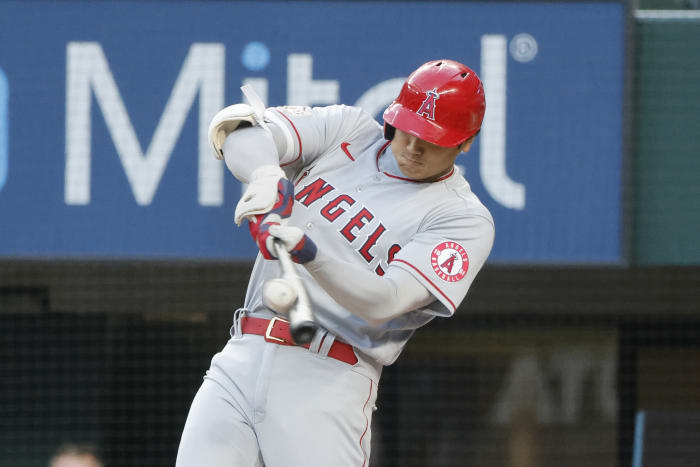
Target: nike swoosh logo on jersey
{"x": 344, "y": 147}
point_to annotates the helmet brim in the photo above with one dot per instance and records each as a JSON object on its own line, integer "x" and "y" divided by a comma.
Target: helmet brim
{"x": 410, "y": 122}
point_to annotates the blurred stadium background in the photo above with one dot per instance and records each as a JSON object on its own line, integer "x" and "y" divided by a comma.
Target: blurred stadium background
{"x": 579, "y": 343}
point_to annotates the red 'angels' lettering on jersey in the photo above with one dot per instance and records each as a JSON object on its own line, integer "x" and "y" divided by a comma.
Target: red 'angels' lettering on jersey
{"x": 450, "y": 261}
{"x": 313, "y": 191}
{"x": 393, "y": 250}
{"x": 371, "y": 240}
{"x": 357, "y": 222}
{"x": 332, "y": 210}
{"x": 427, "y": 108}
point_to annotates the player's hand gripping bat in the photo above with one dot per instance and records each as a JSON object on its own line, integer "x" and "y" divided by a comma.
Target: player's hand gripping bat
{"x": 288, "y": 294}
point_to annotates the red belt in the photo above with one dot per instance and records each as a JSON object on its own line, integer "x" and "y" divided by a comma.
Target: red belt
{"x": 276, "y": 331}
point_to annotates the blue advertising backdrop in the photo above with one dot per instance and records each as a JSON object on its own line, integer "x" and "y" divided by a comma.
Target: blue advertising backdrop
{"x": 87, "y": 169}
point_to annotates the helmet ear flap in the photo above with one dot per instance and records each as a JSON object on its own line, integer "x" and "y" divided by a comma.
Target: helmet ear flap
{"x": 389, "y": 132}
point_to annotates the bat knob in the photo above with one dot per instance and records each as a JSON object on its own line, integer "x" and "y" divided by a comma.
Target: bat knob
{"x": 303, "y": 332}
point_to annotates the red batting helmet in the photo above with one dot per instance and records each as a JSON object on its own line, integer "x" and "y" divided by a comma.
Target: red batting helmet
{"x": 442, "y": 102}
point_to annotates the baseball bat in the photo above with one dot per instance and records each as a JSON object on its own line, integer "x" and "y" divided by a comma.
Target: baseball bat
{"x": 301, "y": 319}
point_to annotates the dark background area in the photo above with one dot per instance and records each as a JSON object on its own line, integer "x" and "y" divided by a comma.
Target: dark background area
{"x": 121, "y": 373}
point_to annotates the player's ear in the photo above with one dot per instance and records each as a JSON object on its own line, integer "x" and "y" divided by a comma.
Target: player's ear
{"x": 465, "y": 146}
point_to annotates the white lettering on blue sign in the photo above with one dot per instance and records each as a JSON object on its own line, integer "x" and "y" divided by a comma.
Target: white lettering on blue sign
{"x": 492, "y": 147}
{"x": 302, "y": 89}
{"x": 87, "y": 70}
{"x": 203, "y": 71}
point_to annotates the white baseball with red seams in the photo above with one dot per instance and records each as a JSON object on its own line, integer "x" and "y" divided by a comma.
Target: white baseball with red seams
{"x": 280, "y": 405}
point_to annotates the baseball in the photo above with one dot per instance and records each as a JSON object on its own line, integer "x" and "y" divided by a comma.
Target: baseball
{"x": 279, "y": 295}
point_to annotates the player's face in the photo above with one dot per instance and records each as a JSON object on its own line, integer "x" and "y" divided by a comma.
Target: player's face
{"x": 423, "y": 161}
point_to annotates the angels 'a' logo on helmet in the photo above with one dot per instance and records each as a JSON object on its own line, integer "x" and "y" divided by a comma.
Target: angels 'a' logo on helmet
{"x": 427, "y": 108}
{"x": 450, "y": 261}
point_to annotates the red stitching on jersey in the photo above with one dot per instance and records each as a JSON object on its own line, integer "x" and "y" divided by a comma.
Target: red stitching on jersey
{"x": 419, "y": 181}
{"x": 454, "y": 308}
{"x": 298, "y": 138}
{"x": 381, "y": 150}
{"x": 379, "y": 153}
{"x": 364, "y": 408}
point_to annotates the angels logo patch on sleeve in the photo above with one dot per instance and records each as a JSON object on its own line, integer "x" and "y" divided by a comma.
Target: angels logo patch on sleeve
{"x": 450, "y": 261}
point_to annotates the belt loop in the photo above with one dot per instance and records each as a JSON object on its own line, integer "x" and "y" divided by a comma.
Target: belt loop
{"x": 316, "y": 341}
{"x": 326, "y": 346}
{"x": 236, "y": 331}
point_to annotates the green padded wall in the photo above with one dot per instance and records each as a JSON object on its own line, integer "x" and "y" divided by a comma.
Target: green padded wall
{"x": 666, "y": 156}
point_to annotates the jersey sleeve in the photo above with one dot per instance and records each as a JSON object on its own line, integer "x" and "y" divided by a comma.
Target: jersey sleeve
{"x": 309, "y": 132}
{"x": 446, "y": 257}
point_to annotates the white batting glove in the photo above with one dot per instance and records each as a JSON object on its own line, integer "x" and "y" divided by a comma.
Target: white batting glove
{"x": 300, "y": 247}
{"x": 228, "y": 119}
{"x": 261, "y": 194}
{"x": 224, "y": 122}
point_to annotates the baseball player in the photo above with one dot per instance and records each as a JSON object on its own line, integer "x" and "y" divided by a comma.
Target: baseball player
{"x": 387, "y": 234}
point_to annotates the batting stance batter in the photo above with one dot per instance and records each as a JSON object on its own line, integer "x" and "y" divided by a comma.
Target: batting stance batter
{"x": 390, "y": 236}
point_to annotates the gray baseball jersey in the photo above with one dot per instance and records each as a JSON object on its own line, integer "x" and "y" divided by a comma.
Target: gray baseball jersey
{"x": 282, "y": 405}
{"x": 352, "y": 200}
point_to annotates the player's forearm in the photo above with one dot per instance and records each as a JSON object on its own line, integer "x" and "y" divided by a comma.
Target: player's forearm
{"x": 248, "y": 149}
{"x": 376, "y": 299}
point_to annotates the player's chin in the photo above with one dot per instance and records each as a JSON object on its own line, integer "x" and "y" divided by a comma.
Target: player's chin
{"x": 409, "y": 161}
{"x": 408, "y": 172}
{"x": 411, "y": 168}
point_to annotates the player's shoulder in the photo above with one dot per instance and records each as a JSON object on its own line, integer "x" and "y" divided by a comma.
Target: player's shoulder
{"x": 355, "y": 126}
{"x": 355, "y": 118}
{"x": 345, "y": 110}
{"x": 336, "y": 120}
{"x": 458, "y": 201}
{"x": 347, "y": 113}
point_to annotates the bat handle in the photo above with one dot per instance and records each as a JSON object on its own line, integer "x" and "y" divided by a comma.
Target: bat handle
{"x": 301, "y": 319}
